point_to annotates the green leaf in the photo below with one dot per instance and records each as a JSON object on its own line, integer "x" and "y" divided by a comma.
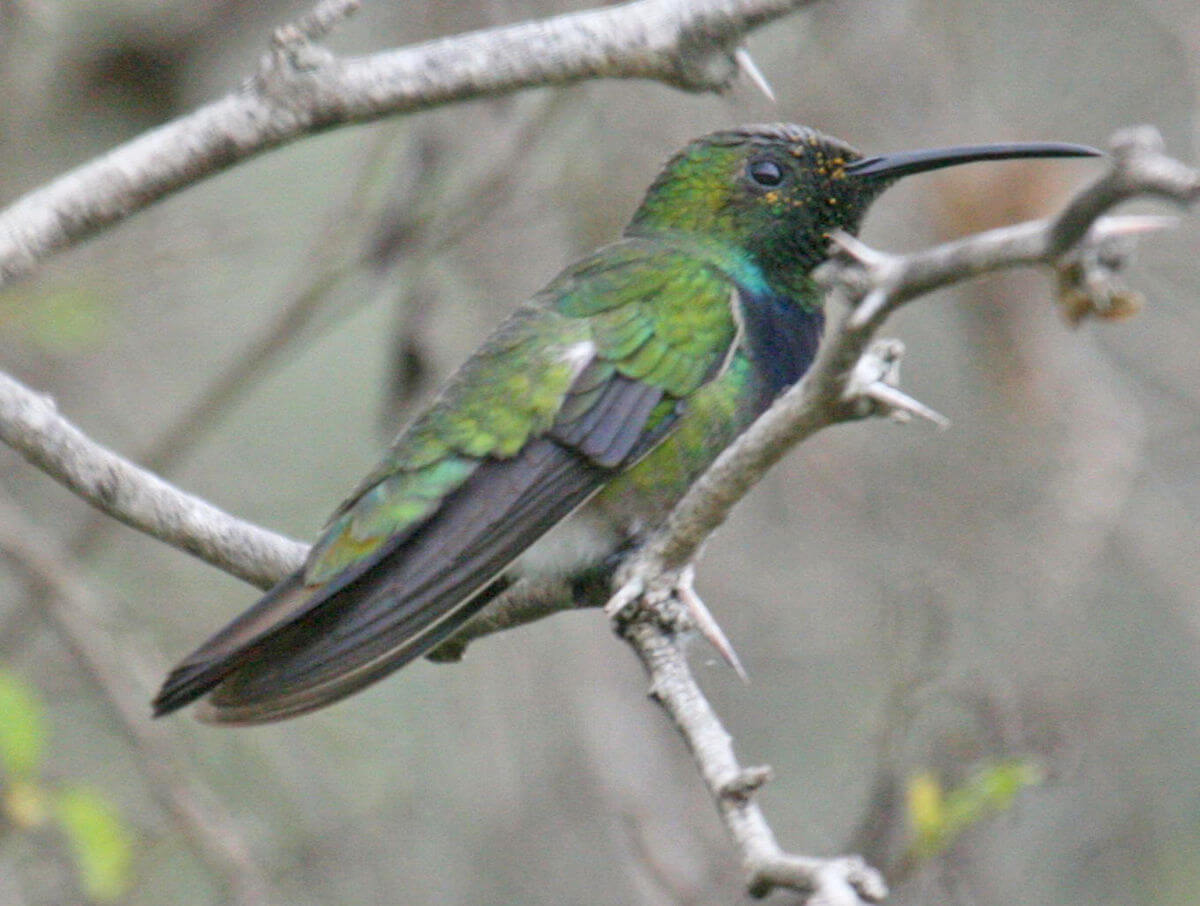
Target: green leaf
{"x": 938, "y": 817}
{"x": 22, "y": 729}
{"x": 99, "y": 840}
{"x": 926, "y": 807}
{"x": 990, "y": 790}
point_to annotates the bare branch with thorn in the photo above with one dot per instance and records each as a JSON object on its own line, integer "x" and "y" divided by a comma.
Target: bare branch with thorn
{"x": 302, "y": 88}
{"x": 853, "y": 376}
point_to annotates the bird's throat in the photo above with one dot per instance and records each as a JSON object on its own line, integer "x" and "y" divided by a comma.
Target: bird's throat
{"x": 780, "y": 336}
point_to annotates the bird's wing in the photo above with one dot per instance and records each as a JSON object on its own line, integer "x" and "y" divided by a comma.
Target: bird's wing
{"x": 528, "y": 429}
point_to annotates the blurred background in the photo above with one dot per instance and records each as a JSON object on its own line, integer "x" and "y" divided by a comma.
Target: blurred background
{"x": 974, "y": 654}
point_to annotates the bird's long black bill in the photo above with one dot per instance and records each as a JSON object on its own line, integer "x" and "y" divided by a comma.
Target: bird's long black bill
{"x": 906, "y": 163}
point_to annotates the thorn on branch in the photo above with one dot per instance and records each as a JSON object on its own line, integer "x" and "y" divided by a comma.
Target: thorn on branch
{"x": 297, "y": 42}
{"x": 872, "y": 388}
{"x": 670, "y": 598}
{"x": 626, "y": 594}
{"x": 745, "y": 63}
{"x": 706, "y": 623}
{"x": 871, "y": 259}
{"x": 870, "y": 275}
{"x": 1140, "y": 167}
{"x": 898, "y": 405}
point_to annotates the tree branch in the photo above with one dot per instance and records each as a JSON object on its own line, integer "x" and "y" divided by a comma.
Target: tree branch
{"x": 300, "y": 89}
{"x": 31, "y": 425}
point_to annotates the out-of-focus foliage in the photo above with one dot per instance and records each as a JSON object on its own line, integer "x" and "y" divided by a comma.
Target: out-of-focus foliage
{"x": 22, "y": 729}
{"x": 65, "y": 321}
{"x": 97, "y": 837}
{"x": 939, "y": 816}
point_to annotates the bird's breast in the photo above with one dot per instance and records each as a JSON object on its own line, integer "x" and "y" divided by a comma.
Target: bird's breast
{"x": 581, "y": 541}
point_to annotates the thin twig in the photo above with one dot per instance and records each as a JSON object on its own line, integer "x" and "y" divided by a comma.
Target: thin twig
{"x": 836, "y": 882}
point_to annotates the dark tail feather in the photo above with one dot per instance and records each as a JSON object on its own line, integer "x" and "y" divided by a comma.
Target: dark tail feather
{"x": 415, "y": 598}
{"x": 204, "y": 669}
{"x": 229, "y": 706}
{"x": 301, "y": 647}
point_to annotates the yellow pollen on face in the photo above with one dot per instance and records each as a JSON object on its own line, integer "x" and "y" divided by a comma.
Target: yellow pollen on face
{"x": 771, "y": 198}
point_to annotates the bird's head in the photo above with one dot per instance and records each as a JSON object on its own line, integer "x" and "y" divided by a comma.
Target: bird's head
{"x": 771, "y": 196}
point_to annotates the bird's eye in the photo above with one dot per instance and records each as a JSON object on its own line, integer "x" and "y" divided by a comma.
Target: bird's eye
{"x": 765, "y": 172}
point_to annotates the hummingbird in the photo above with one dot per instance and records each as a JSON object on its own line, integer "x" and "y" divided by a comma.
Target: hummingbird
{"x": 576, "y": 426}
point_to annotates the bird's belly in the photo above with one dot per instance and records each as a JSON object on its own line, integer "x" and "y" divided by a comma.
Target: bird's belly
{"x": 579, "y": 542}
